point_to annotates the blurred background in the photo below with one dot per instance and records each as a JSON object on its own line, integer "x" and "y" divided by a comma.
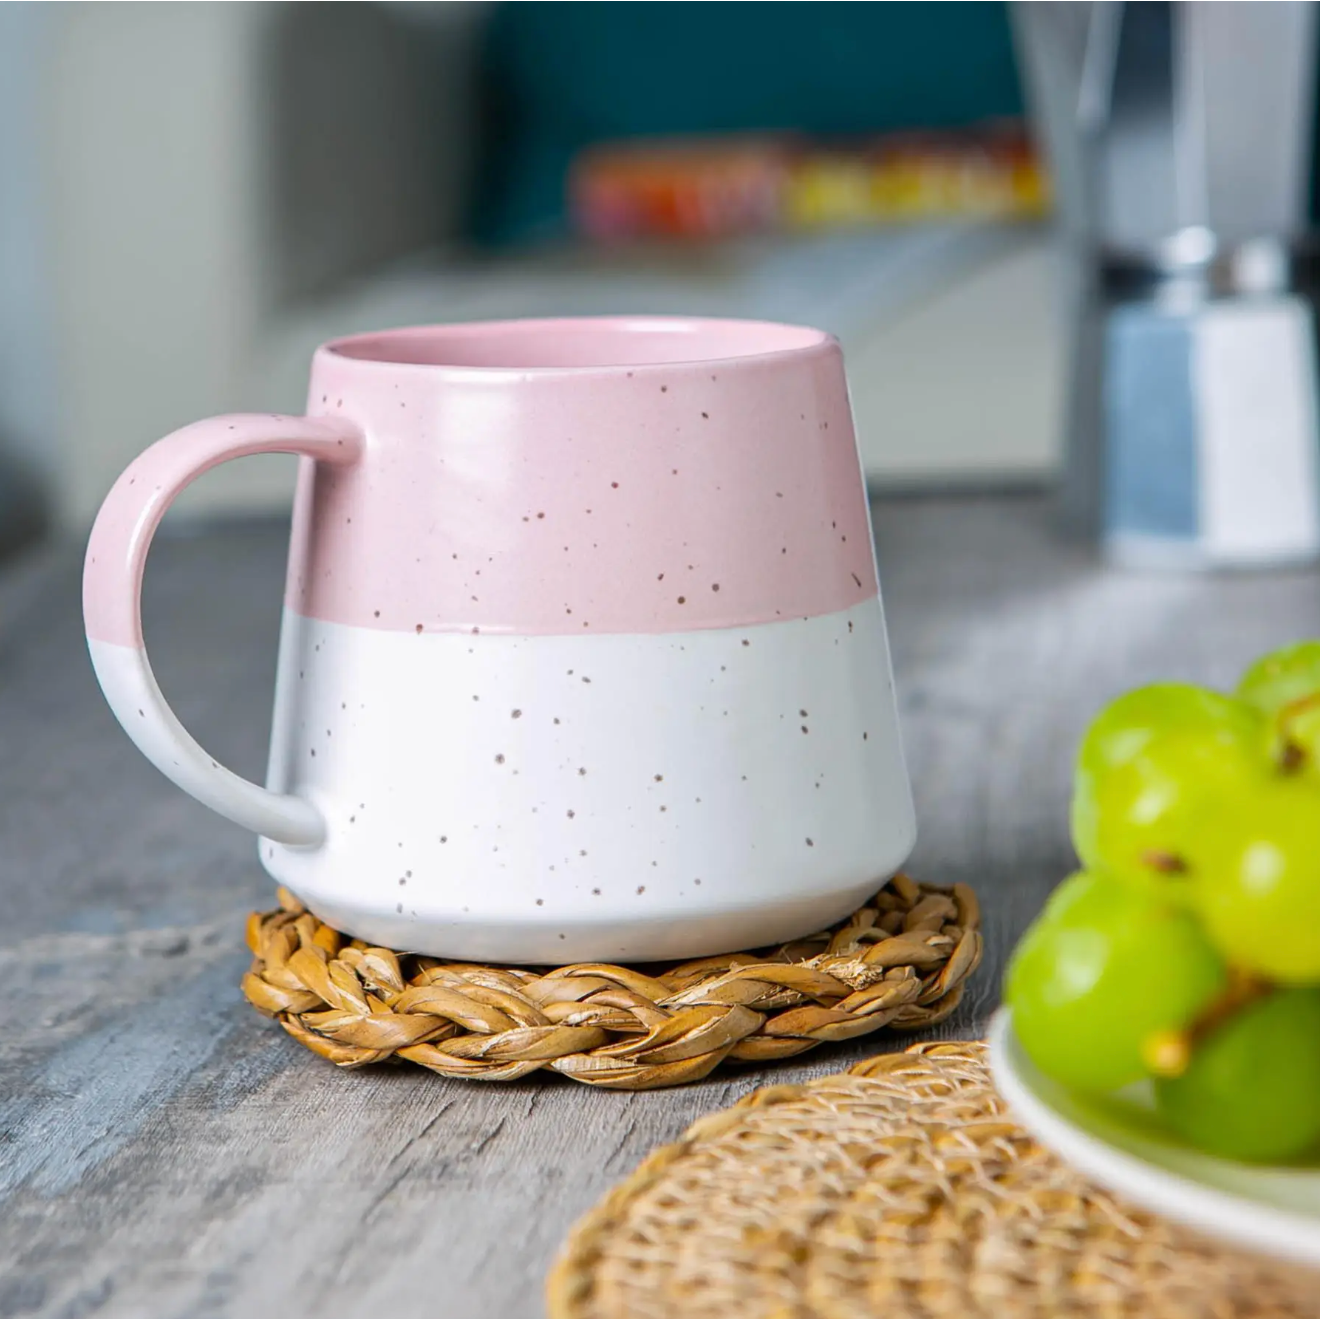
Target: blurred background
{"x": 192, "y": 196}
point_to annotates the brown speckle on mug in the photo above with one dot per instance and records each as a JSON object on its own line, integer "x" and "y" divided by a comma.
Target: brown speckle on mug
{"x": 499, "y": 758}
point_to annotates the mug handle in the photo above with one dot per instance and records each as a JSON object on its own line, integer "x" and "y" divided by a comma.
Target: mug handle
{"x": 112, "y": 604}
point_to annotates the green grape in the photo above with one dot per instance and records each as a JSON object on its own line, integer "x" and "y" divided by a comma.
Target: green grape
{"x": 1285, "y": 687}
{"x": 1252, "y": 1088}
{"x": 1129, "y": 722}
{"x": 1258, "y": 880}
{"x": 1140, "y": 821}
{"x": 1105, "y": 809}
{"x": 1276, "y": 680}
{"x": 1102, "y": 970}
{"x": 1299, "y": 731}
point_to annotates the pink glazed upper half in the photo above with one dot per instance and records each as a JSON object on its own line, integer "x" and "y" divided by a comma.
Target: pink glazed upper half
{"x": 616, "y": 475}
{"x": 622, "y": 475}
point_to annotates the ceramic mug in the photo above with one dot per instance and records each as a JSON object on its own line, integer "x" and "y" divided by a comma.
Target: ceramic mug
{"x": 582, "y": 653}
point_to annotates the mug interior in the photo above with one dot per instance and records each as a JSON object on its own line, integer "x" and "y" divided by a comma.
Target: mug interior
{"x": 579, "y": 343}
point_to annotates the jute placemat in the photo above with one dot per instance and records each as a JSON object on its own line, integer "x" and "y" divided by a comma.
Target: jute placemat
{"x": 901, "y": 1188}
{"x": 900, "y": 962}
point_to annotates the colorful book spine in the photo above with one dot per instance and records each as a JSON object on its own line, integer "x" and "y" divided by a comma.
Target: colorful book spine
{"x": 715, "y": 188}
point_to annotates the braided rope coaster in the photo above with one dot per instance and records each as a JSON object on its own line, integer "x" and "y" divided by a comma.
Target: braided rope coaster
{"x": 900, "y": 1188}
{"x": 901, "y": 962}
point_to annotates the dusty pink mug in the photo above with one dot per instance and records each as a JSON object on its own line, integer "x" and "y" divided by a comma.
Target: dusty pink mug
{"x": 583, "y": 655}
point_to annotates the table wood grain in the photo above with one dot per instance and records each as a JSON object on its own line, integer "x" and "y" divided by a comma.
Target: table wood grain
{"x": 166, "y": 1152}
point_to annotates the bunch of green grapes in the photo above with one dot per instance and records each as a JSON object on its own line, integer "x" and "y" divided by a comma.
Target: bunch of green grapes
{"x": 1188, "y": 948}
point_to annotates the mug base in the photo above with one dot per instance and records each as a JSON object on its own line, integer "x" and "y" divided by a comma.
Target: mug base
{"x": 619, "y": 940}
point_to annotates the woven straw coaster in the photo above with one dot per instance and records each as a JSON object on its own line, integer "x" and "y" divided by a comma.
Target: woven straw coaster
{"x": 901, "y": 962}
{"x": 900, "y": 1188}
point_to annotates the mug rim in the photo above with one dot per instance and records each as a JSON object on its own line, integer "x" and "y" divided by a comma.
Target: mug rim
{"x": 389, "y": 350}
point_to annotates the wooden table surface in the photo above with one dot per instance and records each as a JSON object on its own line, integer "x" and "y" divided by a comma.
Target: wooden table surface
{"x": 164, "y": 1151}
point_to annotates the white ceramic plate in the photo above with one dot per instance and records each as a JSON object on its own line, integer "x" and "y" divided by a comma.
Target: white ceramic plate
{"x": 1119, "y": 1143}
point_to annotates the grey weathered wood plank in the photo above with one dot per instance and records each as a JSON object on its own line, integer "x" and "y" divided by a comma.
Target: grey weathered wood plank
{"x": 163, "y": 1151}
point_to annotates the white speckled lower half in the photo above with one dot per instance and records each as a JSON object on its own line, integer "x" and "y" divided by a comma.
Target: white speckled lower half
{"x": 556, "y": 798}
